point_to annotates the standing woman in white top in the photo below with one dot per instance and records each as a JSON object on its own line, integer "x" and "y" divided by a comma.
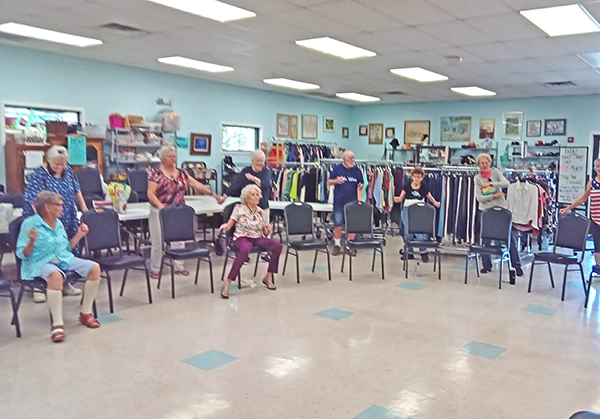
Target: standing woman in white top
{"x": 592, "y": 192}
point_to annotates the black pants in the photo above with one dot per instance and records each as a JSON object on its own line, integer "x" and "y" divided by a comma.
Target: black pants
{"x": 515, "y": 259}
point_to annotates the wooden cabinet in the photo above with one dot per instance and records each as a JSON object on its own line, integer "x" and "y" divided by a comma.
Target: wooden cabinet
{"x": 15, "y": 164}
{"x": 95, "y": 148}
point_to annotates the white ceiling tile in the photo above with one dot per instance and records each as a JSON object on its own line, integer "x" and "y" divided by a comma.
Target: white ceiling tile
{"x": 544, "y": 47}
{"x": 580, "y": 75}
{"x": 496, "y": 51}
{"x": 563, "y": 62}
{"x": 545, "y": 77}
{"x": 506, "y": 27}
{"x": 464, "y": 9}
{"x": 375, "y": 43}
{"x": 442, "y": 54}
{"x": 412, "y": 38}
{"x": 456, "y": 33}
{"x": 527, "y": 65}
{"x": 409, "y": 12}
{"x": 485, "y": 68}
{"x": 303, "y": 18}
{"x": 580, "y": 44}
{"x": 354, "y": 14}
{"x": 534, "y": 4}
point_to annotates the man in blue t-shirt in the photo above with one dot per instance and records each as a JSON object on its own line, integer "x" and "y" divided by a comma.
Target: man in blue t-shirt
{"x": 348, "y": 180}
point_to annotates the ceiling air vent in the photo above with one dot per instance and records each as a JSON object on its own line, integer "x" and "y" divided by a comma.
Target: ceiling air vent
{"x": 394, "y": 93}
{"x": 124, "y": 29}
{"x": 560, "y": 84}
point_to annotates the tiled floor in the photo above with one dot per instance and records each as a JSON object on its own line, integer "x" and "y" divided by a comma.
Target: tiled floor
{"x": 367, "y": 349}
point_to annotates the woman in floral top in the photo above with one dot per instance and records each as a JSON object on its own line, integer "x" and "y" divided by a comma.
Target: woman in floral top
{"x": 251, "y": 230}
{"x": 167, "y": 185}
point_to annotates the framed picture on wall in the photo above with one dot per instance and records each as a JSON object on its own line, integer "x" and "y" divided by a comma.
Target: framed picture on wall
{"x": 512, "y": 125}
{"x": 415, "y": 132}
{"x": 486, "y": 128}
{"x": 283, "y": 125}
{"x": 363, "y": 130}
{"x": 328, "y": 124}
{"x": 200, "y": 144}
{"x": 345, "y": 132}
{"x": 455, "y": 128}
{"x": 309, "y": 126}
{"x": 293, "y": 126}
{"x": 534, "y": 129}
{"x": 555, "y": 127}
{"x": 375, "y": 133}
{"x": 390, "y": 132}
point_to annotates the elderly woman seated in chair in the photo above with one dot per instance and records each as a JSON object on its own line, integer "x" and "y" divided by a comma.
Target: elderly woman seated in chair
{"x": 45, "y": 251}
{"x": 250, "y": 230}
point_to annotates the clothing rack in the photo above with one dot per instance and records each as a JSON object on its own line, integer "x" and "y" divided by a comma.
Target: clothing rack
{"x": 275, "y": 140}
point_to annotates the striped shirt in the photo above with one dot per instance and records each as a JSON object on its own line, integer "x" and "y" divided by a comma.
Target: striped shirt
{"x": 595, "y": 201}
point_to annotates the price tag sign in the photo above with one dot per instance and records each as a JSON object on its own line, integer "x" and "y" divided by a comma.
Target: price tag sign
{"x": 77, "y": 150}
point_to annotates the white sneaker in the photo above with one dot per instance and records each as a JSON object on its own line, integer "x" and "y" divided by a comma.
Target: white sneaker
{"x": 70, "y": 290}
{"x": 248, "y": 283}
{"x": 39, "y": 297}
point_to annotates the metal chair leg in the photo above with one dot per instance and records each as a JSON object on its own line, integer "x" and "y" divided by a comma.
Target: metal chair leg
{"x": 15, "y": 310}
{"x": 477, "y": 266}
{"x": 210, "y": 270}
{"x": 373, "y": 262}
{"x": 297, "y": 267}
{"x": 328, "y": 263}
{"x": 123, "y": 282}
{"x": 110, "y": 298}
{"x": 225, "y": 265}
{"x": 287, "y": 253}
{"x": 197, "y": 271}
{"x": 531, "y": 275}
{"x": 467, "y": 268}
{"x": 315, "y": 261}
{"x": 162, "y": 265}
{"x": 439, "y": 265}
{"x": 172, "y": 278}
{"x": 551, "y": 276}
{"x": 350, "y": 263}
{"x": 500, "y": 274}
{"x": 382, "y": 264}
{"x": 405, "y": 257}
{"x": 589, "y": 289}
{"x": 343, "y": 260}
{"x": 147, "y": 284}
{"x": 256, "y": 264}
{"x": 582, "y": 276}
{"x": 562, "y": 298}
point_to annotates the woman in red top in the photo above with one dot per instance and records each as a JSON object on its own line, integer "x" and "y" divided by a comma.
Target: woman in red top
{"x": 167, "y": 185}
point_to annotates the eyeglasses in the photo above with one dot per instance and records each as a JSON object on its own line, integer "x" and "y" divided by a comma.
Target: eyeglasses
{"x": 58, "y": 204}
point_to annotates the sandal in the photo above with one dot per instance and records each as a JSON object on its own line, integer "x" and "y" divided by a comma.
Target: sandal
{"x": 89, "y": 320}
{"x": 182, "y": 272}
{"x": 155, "y": 275}
{"x": 224, "y": 292}
{"x": 58, "y": 333}
{"x": 269, "y": 286}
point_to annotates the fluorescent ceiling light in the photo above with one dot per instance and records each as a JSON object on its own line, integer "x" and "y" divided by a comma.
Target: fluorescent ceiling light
{"x": 591, "y": 58}
{"x": 418, "y": 74}
{"x": 195, "y": 64}
{"x": 562, "y": 20}
{"x": 292, "y": 84}
{"x": 48, "y": 35}
{"x": 210, "y": 9}
{"x": 473, "y": 91}
{"x": 358, "y": 97}
{"x": 332, "y": 46}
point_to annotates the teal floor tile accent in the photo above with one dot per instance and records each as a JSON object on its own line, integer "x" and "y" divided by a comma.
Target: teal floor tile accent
{"x": 411, "y": 286}
{"x": 483, "y": 350}
{"x": 335, "y": 314}
{"x": 233, "y": 289}
{"x": 209, "y": 360}
{"x": 317, "y": 268}
{"x": 378, "y": 412}
{"x": 546, "y": 311}
{"x": 462, "y": 267}
{"x": 108, "y": 318}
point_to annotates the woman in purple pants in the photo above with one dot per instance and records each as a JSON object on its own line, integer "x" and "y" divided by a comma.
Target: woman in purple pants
{"x": 250, "y": 230}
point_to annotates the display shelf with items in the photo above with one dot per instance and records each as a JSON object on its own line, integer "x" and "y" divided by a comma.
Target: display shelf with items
{"x": 467, "y": 156}
{"x": 433, "y": 155}
{"x": 539, "y": 156}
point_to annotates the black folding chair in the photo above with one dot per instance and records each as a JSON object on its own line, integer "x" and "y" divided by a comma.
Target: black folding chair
{"x": 16, "y": 199}
{"x": 90, "y": 183}
{"x": 585, "y": 415}
{"x": 105, "y": 235}
{"x": 138, "y": 180}
{"x": 496, "y": 226}
{"x": 571, "y": 233}
{"x": 421, "y": 220}
{"x": 178, "y": 224}
{"x": 6, "y": 290}
{"x": 359, "y": 221}
{"x": 231, "y": 250}
{"x": 299, "y": 221}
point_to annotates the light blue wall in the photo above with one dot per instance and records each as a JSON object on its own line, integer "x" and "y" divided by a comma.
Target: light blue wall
{"x": 39, "y": 78}
{"x": 582, "y": 114}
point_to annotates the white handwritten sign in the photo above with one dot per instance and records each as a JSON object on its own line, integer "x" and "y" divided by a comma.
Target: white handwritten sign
{"x": 572, "y": 174}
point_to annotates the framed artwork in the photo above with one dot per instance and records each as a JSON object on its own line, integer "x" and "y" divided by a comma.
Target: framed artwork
{"x": 328, "y": 124}
{"x": 486, "y": 128}
{"x": 375, "y": 133}
{"x": 534, "y": 129}
{"x": 363, "y": 130}
{"x": 293, "y": 126}
{"x": 390, "y": 132}
{"x": 415, "y": 131}
{"x": 309, "y": 126}
{"x": 512, "y": 125}
{"x": 345, "y": 132}
{"x": 283, "y": 125}
{"x": 455, "y": 128}
{"x": 200, "y": 144}
{"x": 555, "y": 127}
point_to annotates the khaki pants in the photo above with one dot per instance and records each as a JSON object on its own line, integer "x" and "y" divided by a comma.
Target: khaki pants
{"x": 156, "y": 238}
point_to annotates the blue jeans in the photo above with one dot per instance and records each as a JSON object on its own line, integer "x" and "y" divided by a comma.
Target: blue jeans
{"x": 410, "y": 250}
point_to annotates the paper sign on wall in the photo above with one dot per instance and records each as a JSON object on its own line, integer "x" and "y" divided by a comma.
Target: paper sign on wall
{"x": 572, "y": 176}
{"x": 183, "y": 143}
{"x": 77, "y": 150}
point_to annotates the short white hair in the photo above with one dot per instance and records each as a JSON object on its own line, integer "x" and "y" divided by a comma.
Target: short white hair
{"x": 57, "y": 152}
{"x": 246, "y": 191}
{"x": 484, "y": 156}
{"x": 258, "y": 155}
{"x": 164, "y": 150}
{"x": 45, "y": 198}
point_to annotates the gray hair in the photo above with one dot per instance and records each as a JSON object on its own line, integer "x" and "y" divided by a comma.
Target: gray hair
{"x": 57, "y": 152}
{"x": 596, "y": 161}
{"x": 484, "y": 156}
{"x": 258, "y": 155}
{"x": 45, "y": 198}
{"x": 162, "y": 152}
{"x": 246, "y": 191}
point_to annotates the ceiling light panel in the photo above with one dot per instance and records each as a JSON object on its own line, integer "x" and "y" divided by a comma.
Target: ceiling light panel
{"x": 358, "y": 97}
{"x": 210, "y": 9}
{"x": 337, "y": 48}
{"x": 562, "y": 20}
{"x": 473, "y": 91}
{"x": 48, "y": 35}
{"x": 195, "y": 64}
{"x": 418, "y": 74}
{"x": 292, "y": 84}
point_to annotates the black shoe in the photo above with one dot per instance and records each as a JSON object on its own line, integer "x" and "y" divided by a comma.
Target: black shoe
{"x": 247, "y": 260}
{"x": 410, "y": 256}
{"x": 353, "y": 252}
{"x": 519, "y": 270}
{"x": 425, "y": 257}
{"x": 266, "y": 258}
{"x": 337, "y": 250}
{"x": 485, "y": 270}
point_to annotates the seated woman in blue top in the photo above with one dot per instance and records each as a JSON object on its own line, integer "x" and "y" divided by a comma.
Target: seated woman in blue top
{"x": 45, "y": 251}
